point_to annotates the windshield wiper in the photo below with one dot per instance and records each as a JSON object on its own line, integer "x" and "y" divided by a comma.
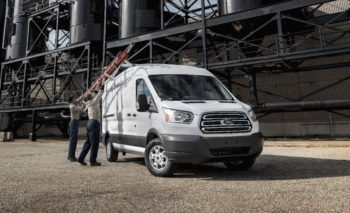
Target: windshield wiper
{"x": 169, "y": 98}
{"x": 227, "y": 101}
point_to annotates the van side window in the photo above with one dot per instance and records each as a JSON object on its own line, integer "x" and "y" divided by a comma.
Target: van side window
{"x": 142, "y": 89}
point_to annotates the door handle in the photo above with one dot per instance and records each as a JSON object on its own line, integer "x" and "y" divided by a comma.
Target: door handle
{"x": 134, "y": 115}
{"x": 129, "y": 114}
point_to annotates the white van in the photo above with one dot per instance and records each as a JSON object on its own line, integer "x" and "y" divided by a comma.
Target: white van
{"x": 177, "y": 114}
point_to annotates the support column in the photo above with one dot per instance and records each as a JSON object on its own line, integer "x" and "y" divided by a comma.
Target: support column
{"x": 54, "y": 80}
{"x": 162, "y": 4}
{"x": 57, "y": 11}
{"x": 204, "y": 36}
{"x": 151, "y": 51}
{"x": 88, "y": 73}
{"x": 32, "y": 135}
{"x": 12, "y": 124}
{"x": 2, "y": 74}
{"x": 104, "y": 35}
{"x": 186, "y": 13}
{"x": 23, "y": 95}
{"x": 253, "y": 91}
{"x": 281, "y": 46}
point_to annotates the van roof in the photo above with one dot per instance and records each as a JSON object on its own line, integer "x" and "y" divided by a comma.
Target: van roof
{"x": 169, "y": 69}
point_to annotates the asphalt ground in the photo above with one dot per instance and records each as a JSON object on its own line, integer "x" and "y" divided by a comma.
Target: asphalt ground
{"x": 288, "y": 177}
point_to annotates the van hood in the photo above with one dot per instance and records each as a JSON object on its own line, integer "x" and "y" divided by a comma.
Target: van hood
{"x": 199, "y": 107}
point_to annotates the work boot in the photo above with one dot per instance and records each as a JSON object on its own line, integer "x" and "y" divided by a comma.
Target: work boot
{"x": 82, "y": 162}
{"x": 72, "y": 158}
{"x": 95, "y": 163}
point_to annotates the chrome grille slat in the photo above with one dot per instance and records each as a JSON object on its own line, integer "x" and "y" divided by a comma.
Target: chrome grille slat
{"x": 231, "y": 122}
{"x": 224, "y": 116}
{"x": 219, "y": 123}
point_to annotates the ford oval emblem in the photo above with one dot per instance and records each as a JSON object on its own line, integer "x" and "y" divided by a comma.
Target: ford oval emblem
{"x": 228, "y": 122}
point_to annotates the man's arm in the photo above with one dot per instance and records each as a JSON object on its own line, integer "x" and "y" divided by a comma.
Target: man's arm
{"x": 75, "y": 108}
{"x": 98, "y": 97}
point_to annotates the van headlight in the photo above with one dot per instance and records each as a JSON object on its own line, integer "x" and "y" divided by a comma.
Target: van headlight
{"x": 252, "y": 115}
{"x": 176, "y": 116}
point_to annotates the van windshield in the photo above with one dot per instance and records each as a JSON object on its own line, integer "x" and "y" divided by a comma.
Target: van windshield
{"x": 189, "y": 87}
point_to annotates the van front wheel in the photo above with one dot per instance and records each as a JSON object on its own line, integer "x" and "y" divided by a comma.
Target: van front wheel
{"x": 111, "y": 153}
{"x": 156, "y": 160}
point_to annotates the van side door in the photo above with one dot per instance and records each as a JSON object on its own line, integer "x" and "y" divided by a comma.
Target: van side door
{"x": 129, "y": 136}
{"x": 109, "y": 109}
{"x": 143, "y": 119}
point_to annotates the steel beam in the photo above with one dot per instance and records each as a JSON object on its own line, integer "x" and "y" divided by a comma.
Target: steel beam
{"x": 303, "y": 54}
{"x": 57, "y": 106}
{"x": 46, "y": 53}
{"x": 273, "y": 9}
{"x": 303, "y": 106}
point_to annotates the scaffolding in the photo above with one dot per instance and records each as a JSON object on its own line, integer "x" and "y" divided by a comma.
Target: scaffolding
{"x": 286, "y": 58}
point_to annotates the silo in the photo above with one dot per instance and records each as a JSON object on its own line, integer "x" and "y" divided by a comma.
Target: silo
{"x": 2, "y": 22}
{"x": 18, "y": 33}
{"x": 242, "y": 28}
{"x": 86, "y": 21}
{"x": 233, "y": 6}
{"x": 138, "y": 17}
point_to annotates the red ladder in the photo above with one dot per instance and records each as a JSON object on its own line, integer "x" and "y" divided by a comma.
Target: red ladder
{"x": 109, "y": 70}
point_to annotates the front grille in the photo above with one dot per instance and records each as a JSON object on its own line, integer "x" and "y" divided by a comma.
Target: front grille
{"x": 233, "y": 122}
{"x": 229, "y": 151}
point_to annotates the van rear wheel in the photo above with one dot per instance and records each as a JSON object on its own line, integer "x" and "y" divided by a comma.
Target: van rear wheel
{"x": 156, "y": 160}
{"x": 111, "y": 153}
{"x": 240, "y": 165}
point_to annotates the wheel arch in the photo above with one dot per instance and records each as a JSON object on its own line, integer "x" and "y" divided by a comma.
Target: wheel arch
{"x": 105, "y": 137}
{"x": 152, "y": 134}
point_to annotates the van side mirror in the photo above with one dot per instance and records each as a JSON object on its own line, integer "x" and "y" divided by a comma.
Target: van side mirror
{"x": 143, "y": 106}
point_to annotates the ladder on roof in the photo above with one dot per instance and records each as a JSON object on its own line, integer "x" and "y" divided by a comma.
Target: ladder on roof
{"x": 110, "y": 70}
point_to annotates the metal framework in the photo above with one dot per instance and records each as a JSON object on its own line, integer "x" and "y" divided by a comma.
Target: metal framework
{"x": 40, "y": 83}
{"x": 284, "y": 38}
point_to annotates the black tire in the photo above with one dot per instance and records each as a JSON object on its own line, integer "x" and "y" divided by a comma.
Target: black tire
{"x": 111, "y": 153}
{"x": 240, "y": 165}
{"x": 158, "y": 164}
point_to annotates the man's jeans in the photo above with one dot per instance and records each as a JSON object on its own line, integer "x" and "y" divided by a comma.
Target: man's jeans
{"x": 73, "y": 128}
{"x": 92, "y": 141}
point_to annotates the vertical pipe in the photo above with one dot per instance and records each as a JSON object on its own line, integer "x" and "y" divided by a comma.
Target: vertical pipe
{"x": 219, "y": 7}
{"x": 227, "y": 51}
{"x": 33, "y": 133}
{"x": 162, "y": 14}
{"x": 280, "y": 33}
{"x": 204, "y": 35}
{"x": 151, "y": 51}
{"x": 186, "y": 13}
{"x": 57, "y": 27}
{"x": 54, "y": 81}
{"x": 17, "y": 45}
{"x": 104, "y": 35}
{"x": 322, "y": 43}
{"x": 24, "y": 83}
{"x": 253, "y": 91}
{"x": 331, "y": 124}
{"x": 5, "y": 39}
{"x": 27, "y": 36}
{"x": 88, "y": 74}
{"x": 2, "y": 24}
{"x": 1, "y": 80}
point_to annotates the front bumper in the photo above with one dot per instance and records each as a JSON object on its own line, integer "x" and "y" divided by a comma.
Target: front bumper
{"x": 198, "y": 149}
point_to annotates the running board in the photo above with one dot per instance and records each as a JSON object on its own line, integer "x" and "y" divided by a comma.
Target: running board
{"x": 128, "y": 148}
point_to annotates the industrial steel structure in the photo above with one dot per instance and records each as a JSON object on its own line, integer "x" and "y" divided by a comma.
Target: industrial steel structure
{"x": 278, "y": 55}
